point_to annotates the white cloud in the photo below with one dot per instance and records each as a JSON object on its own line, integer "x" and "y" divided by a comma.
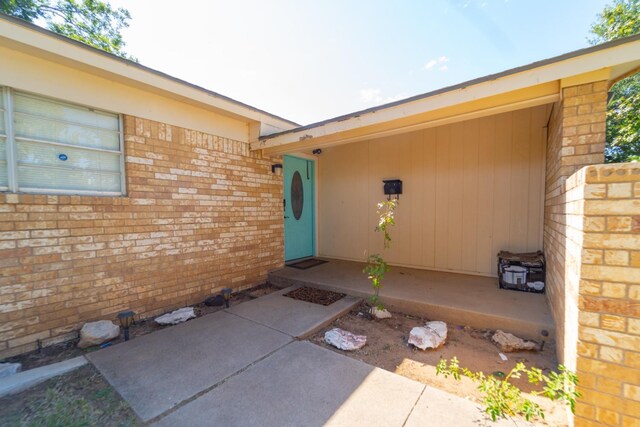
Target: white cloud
{"x": 437, "y": 61}
{"x": 441, "y": 60}
{"x": 429, "y": 65}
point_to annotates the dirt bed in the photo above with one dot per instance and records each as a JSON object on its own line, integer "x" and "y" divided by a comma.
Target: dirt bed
{"x": 69, "y": 349}
{"x": 387, "y": 348}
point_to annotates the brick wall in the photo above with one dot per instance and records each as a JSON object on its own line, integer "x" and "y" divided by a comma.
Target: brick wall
{"x": 201, "y": 213}
{"x": 575, "y": 138}
{"x": 592, "y": 245}
{"x": 609, "y": 296}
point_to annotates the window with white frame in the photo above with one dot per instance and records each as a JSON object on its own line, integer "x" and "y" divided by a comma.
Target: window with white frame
{"x": 54, "y": 147}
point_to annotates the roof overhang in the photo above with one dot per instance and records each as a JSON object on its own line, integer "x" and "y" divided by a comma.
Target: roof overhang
{"x": 33, "y": 40}
{"x": 535, "y": 84}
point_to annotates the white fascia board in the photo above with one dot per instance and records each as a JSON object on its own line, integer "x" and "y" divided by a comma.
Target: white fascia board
{"x": 555, "y": 71}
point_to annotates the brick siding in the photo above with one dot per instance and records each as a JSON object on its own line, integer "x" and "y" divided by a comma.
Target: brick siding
{"x": 609, "y": 297}
{"x": 575, "y": 138}
{"x": 202, "y": 213}
{"x": 592, "y": 246}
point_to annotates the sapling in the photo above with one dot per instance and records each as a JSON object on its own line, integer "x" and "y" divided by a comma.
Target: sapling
{"x": 376, "y": 265}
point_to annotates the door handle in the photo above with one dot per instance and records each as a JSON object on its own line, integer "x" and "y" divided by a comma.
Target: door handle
{"x": 286, "y": 217}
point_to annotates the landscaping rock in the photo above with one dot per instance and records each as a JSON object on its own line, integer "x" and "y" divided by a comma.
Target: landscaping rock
{"x": 380, "y": 314}
{"x": 178, "y": 316}
{"x": 95, "y": 333}
{"x": 431, "y": 335}
{"x": 7, "y": 369}
{"x": 344, "y": 340}
{"x": 510, "y": 343}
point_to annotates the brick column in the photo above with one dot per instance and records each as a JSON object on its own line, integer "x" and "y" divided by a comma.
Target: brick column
{"x": 609, "y": 298}
{"x": 576, "y": 138}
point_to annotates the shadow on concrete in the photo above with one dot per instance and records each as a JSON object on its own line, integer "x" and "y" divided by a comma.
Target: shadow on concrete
{"x": 304, "y": 385}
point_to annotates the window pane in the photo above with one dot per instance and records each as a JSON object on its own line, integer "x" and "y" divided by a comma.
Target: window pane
{"x": 67, "y": 179}
{"x": 3, "y": 149}
{"x": 64, "y": 157}
{"x": 4, "y": 176}
{"x": 43, "y": 107}
{"x": 47, "y": 130}
{"x": 46, "y": 166}
{"x": 2, "y": 114}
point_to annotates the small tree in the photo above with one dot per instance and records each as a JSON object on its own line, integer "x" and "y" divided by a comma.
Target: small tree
{"x": 376, "y": 265}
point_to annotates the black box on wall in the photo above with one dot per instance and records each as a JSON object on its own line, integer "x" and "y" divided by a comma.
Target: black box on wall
{"x": 392, "y": 187}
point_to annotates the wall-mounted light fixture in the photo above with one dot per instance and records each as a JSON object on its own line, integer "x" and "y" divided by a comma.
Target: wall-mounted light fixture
{"x": 317, "y": 151}
{"x": 277, "y": 169}
{"x": 392, "y": 187}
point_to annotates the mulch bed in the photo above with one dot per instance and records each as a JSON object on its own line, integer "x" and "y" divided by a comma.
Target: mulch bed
{"x": 315, "y": 296}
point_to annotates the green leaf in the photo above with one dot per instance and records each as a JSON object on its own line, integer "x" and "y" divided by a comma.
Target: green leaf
{"x": 621, "y": 19}
{"x": 93, "y": 22}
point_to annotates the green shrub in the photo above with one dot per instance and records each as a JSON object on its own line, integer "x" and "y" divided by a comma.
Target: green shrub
{"x": 503, "y": 399}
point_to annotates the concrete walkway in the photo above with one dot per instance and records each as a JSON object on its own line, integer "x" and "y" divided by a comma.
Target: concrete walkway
{"x": 223, "y": 369}
{"x": 298, "y": 319}
{"x": 460, "y": 299}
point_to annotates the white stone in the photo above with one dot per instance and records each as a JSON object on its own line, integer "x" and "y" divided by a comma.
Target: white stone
{"x": 7, "y": 369}
{"x": 178, "y": 316}
{"x": 380, "y": 314}
{"x": 95, "y": 333}
{"x": 510, "y": 343}
{"x": 344, "y": 340}
{"x": 431, "y": 335}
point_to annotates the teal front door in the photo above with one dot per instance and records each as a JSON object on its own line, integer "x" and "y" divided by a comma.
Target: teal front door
{"x": 299, "y": 212}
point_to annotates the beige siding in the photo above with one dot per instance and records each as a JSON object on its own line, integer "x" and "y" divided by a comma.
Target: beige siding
{"x": 470, "y": 190}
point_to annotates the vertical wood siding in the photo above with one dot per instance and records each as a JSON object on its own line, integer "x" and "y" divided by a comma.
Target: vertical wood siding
{"x": 470, "y": 190}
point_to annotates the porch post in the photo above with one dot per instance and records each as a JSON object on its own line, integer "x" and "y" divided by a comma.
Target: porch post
{"x": 575, "y": 138}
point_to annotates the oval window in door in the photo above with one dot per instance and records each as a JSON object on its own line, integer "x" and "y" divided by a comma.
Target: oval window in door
{"x": 297, "y": 195}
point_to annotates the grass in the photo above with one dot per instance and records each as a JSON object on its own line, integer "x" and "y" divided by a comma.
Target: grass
{"x": 80, "y": 398}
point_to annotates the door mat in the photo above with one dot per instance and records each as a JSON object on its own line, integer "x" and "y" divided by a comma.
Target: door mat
{"x": 307, "y": 263}
{"x": 315, "y": 296}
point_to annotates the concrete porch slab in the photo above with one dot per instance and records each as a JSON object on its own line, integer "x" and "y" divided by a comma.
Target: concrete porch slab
{"x": 157, "y": 371}
{"x": 303, "y": 384}
{"x": 460, "y": 299}
{"x": 292, "y": 317}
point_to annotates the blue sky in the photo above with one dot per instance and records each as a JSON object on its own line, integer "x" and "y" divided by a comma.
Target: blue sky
{"x": 311, "y": 60}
